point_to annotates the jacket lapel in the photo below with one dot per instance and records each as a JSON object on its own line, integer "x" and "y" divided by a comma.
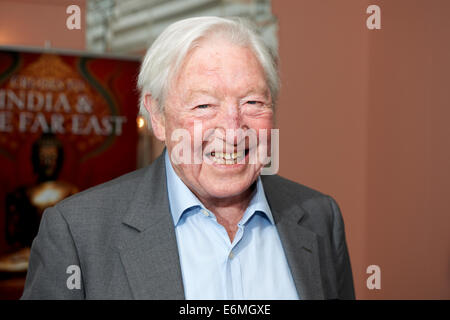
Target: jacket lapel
{"x": 148, "y": 246}
{"x": 299, "y": 243}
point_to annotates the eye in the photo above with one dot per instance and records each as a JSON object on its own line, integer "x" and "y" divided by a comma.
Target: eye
{"x": 203, "y": 106}
{"x": 254, "y": 102}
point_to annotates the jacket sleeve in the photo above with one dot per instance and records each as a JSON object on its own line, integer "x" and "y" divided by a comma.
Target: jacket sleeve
{"x": 341, "y": 257}
{"x": 54, "y": 270}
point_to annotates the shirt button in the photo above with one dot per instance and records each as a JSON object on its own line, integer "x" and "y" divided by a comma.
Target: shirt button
{"x": 231, "y": 255}
{"x": 206, "y": 213}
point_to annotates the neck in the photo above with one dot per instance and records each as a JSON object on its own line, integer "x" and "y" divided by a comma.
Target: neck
{"x": 229, "y": 211}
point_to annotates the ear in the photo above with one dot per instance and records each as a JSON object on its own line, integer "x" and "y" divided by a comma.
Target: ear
{"x": 156, "y": 117}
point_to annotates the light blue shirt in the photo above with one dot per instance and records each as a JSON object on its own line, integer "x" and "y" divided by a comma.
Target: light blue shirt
{"x": 253, "y": 266}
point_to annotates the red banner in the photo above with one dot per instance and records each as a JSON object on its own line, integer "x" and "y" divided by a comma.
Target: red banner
{"x": 67, "y": 122}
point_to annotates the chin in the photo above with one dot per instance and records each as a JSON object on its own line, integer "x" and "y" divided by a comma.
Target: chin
{"x": 223, "y": 190}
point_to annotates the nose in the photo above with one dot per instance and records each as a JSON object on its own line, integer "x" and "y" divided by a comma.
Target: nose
{"x": 231, "y": 125}
{"x": 232, "y": 116}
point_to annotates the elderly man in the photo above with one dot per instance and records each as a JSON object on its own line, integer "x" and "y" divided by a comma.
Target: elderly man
{"x": 201, "y": 222}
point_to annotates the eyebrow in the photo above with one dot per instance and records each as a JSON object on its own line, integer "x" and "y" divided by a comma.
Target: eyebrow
{"x": 193, "y": 92}
{"x": 212, "y": 92}
{"x": 258, "y": 90}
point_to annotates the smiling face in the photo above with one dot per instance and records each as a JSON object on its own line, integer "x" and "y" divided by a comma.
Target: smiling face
{"x": 222, "y": 87}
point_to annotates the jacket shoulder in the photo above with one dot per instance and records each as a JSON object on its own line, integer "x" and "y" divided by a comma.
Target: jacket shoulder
{"x": 101, "y": 205}
{"x": 320, "y": 210}
{"x": 105, "y": 193}
{"x": 295, "y": 191}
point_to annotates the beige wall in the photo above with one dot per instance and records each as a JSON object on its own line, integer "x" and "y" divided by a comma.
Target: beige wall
{"x": 363, "y": 117}
{"x": 409, "y": 153}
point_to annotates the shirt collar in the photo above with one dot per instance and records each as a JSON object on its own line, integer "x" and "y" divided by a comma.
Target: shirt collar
{"x": 181, "y": 198}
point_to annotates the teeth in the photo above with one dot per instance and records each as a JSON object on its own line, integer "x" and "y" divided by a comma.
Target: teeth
{"x": 219, "y": 160}
{"x": 226, "y": 157}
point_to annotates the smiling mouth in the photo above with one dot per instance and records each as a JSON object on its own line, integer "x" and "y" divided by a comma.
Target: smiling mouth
{"x": 228, "y": 158}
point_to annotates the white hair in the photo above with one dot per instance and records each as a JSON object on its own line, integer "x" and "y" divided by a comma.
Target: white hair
{"x": 167, "y": 53}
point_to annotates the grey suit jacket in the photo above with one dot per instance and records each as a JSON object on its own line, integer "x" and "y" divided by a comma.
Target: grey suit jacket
{"x": 121, "y": 235}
